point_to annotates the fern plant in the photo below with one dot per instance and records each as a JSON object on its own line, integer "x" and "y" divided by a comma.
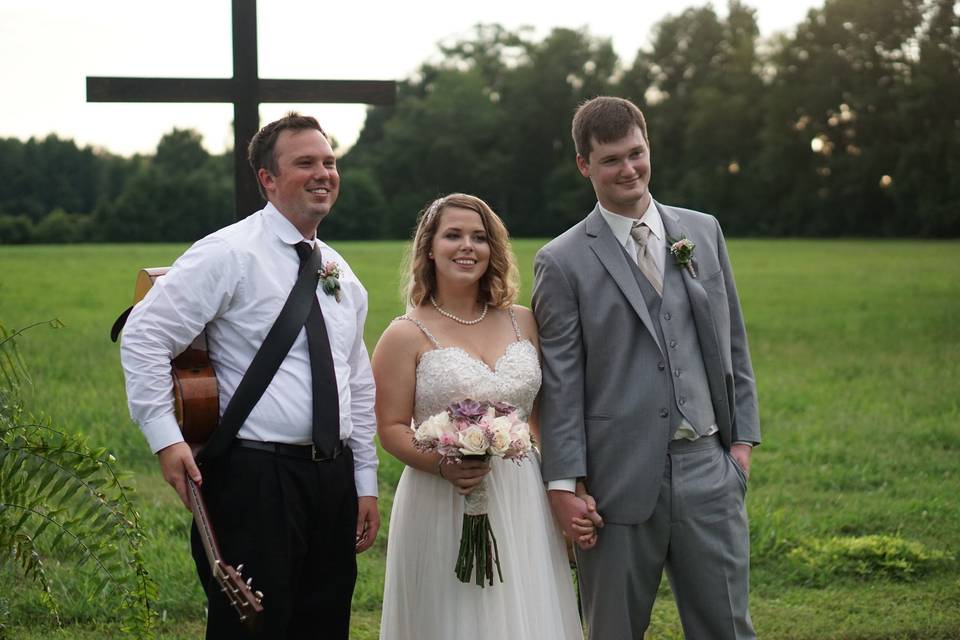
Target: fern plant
{"x": 63, "y": 504}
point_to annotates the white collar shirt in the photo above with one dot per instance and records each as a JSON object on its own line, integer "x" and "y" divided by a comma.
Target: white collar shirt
{"x": 622, "y": 225}
{"x": 233, "y": 283}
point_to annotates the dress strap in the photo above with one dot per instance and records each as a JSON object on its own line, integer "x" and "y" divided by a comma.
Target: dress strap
{"x": 516, "y": 327}
{"x": 423, "y": 328}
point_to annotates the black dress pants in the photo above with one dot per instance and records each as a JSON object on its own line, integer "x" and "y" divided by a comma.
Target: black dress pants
{"x": 292, "y": 523}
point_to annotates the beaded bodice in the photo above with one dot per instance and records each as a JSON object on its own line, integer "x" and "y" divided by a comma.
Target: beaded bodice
{"x": 448, "y": 374}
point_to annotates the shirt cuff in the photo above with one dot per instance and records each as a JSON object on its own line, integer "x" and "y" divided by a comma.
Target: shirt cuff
{"x": 564, "y": 484}
{"x": 366, "y": 481}
{"x": 749, "y": 444}
{"x": 162, "y": 432}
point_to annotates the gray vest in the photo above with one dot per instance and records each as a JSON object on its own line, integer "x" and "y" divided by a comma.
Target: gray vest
{"x": 677, "y": 334}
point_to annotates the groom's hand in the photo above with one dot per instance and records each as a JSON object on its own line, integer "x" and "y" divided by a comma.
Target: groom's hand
{"x": 741, "y": 453}
{"x": 568, "y": 507}
{"x": 588, "y": 527}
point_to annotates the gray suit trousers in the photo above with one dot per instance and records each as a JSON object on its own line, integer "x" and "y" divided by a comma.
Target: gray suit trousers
{"x": 698, "y": 532}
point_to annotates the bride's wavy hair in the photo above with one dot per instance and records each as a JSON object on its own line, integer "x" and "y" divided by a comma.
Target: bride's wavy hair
{"x": 500, "y": 283}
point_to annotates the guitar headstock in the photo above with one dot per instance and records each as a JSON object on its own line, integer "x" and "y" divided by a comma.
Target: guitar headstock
{"x": 242, "y": 597}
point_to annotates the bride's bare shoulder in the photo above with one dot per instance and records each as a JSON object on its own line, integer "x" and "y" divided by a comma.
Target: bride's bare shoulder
{"x": 527, "y": 322}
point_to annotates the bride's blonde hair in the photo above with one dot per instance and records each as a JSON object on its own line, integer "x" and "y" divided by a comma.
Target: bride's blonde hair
{"x": 498, "y": 285}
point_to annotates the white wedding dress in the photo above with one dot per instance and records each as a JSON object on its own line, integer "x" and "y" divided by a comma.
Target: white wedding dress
{"x": 423, "y": 599}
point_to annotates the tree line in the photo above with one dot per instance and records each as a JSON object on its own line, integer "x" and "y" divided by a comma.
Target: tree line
{"x": 847, "y": 126}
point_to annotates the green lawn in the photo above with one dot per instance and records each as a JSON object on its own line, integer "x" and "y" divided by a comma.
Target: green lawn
{"x": 856, "y": 348}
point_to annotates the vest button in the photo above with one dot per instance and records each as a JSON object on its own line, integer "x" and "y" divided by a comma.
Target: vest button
{"x": 661, "y": 366}
{"x": 666, "y": 316}
{"x": 676, "y": 372}
{"x": 664, "y": 413}
{"x": 673, "y": 344}
{"x": 683, "y": 400}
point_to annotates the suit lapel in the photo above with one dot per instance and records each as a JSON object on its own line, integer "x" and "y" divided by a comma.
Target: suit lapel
{"x": 702, "y": 319}
{"x": 610, "y": 253}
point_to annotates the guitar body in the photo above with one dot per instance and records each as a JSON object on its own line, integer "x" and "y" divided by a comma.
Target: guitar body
{"x": 195, "y": 391}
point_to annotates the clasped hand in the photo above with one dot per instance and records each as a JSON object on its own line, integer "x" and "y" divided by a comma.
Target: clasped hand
{"x": 577, "y": 515}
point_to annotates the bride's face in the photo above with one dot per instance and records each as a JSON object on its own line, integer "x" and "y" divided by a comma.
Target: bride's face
{"x": 460, "y": 250}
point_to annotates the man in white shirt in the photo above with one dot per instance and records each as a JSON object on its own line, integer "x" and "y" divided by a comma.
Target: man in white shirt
{"x": 648, "y": 394}
{"x": 291, "y": 516}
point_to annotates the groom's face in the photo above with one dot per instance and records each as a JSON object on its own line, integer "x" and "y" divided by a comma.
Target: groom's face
{"x": 620, "y": 173}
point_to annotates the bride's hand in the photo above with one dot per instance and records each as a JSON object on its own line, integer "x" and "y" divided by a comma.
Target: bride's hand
{"x": 465, "y": 475}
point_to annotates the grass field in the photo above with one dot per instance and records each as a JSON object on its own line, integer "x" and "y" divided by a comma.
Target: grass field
{"x": 853, "y": 501}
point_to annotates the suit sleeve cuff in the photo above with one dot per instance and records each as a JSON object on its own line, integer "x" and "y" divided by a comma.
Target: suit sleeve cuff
{"x": 564, "y": 484}
{"x": 749, "y": 444}
{"x": 162, "y": 432}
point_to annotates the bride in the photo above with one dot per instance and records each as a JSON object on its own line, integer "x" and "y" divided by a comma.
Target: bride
{"x": 464, "y": 338}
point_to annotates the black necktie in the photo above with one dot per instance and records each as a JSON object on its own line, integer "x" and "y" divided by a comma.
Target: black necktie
{"x": 326, "y": 401}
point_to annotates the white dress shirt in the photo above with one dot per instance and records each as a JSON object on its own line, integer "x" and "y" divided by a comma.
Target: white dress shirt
{"x": 622, "y": 225}
{"x": 234, "y": 283}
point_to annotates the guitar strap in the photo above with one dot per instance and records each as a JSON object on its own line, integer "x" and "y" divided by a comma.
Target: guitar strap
{"x": 265, "y": 363}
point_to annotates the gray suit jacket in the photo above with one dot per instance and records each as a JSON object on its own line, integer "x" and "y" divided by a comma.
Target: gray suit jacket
{"x": 600, "y": 409}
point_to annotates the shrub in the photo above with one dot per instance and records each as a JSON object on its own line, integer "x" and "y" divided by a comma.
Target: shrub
{"x": 866, "y": 557}
{"x": 63, "y": 504}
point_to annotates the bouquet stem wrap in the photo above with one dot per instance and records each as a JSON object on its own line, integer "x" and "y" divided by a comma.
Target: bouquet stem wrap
{"x": 478, "y": 546}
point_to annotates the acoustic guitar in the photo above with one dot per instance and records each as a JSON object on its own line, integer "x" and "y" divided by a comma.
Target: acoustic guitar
{"x": 197, "y": 406}
{"x": 195, "y": 392}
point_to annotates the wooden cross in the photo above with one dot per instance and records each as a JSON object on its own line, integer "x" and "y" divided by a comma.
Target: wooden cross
{"x": 246, "y": 90}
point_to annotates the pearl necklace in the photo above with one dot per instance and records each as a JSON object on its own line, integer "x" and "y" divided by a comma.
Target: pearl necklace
{"x": 447, "y": 314}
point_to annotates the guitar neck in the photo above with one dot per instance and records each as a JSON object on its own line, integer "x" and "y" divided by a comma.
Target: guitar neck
{"x": 202, "y": 520}
{"x": 242, "y": 598}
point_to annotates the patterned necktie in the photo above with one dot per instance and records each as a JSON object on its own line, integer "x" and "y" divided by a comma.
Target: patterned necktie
{"x": 326, "y": 401}
{"x": 641, "y": 235}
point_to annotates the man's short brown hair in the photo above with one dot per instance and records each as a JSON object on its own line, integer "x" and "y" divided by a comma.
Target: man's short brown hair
{"x": 261, "y": 154}
{"x": 604, "y": 119}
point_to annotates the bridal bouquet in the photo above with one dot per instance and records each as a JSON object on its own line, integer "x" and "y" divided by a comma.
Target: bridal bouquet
{"x": 471, "y": 429}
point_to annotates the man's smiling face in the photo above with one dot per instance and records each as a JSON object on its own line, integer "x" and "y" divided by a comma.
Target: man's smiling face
{"x": 306, "y": 184}
{"x": 620, "y": 173}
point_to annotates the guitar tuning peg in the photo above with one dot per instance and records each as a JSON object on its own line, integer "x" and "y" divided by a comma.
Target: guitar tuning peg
{"x": 249, "y": 581}
{"x": 259, "y": 595}
{"x": 240, "y": 568}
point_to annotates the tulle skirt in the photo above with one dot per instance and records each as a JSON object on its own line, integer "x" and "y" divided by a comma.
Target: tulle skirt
{"x": 424, "y": 600}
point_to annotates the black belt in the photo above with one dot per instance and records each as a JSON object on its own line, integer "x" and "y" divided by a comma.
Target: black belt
{"x": 304, "y": 451}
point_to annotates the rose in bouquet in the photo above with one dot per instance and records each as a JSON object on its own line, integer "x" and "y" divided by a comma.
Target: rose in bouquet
{"x": 472, "y": 429}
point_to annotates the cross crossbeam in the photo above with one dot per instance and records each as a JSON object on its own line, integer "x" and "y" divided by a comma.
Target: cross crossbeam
{"x": 246, "y": 91}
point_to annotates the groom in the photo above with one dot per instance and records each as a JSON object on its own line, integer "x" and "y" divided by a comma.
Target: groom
{"x": 648, "y": 393}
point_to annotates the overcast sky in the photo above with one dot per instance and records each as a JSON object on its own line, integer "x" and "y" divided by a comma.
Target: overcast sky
{"x": 48, "y": 47}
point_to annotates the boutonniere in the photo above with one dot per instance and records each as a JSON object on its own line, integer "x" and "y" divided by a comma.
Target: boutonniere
{"x": 682, "y": 251}
{"x": 329, "y": 277}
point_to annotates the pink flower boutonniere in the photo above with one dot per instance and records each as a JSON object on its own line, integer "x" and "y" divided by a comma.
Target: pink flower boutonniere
{"x": 329, "y": 278}
{"x": 682, "y": 251}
